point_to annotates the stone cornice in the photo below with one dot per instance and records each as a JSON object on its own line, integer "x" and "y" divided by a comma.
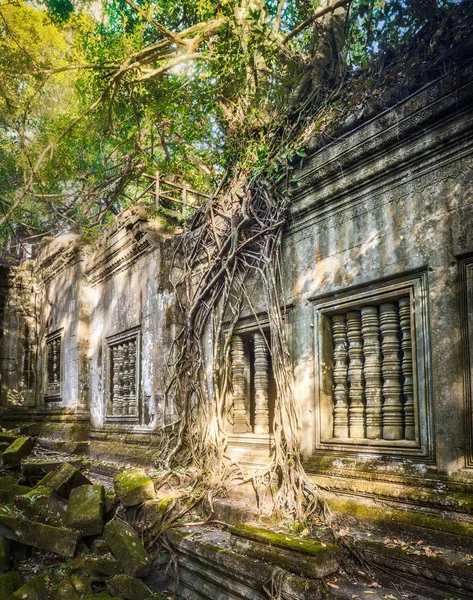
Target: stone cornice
{"x": 55, "y": 254}
{"x": 131, "y": 237}
{"x": 400, "y": 140}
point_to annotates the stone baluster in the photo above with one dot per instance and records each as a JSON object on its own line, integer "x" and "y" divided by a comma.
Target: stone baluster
{"x": 118, "y": 393}
{"x": 391, "y": 369}
{"x": 340, "y": 377}
{"x": 407, "y": 369}
{"x": 261, "y": 383}
{"x": 372, "y": 371}
{"x": 132, "y": 405}
{"x": 240, "y": 417}
{"x": 356, "y": 410}
{"x": 126, "y": 378}
{"x": 114, "y": 392}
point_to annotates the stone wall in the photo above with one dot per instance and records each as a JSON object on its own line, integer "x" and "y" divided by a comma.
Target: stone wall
{"x": 378, "y": 270}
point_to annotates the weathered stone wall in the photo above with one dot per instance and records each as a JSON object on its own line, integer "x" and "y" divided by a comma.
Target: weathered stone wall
{"x": 382, "y": 220}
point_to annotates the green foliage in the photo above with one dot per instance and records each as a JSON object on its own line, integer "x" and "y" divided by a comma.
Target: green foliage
{"x": 192, "y": 124}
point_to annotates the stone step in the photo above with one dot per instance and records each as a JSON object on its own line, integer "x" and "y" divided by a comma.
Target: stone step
{"x": 210, "y": 568}
{"x": 435, "y": 571}
{"x": 66, "y": 447}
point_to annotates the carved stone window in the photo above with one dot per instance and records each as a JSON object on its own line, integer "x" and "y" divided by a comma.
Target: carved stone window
{"x": 372, "y": 375}
{"x": 123, "y": 377}
{"x": 53, "y": 366}
{"x": 372, "y": 382}
{"x": 252, "y": 384}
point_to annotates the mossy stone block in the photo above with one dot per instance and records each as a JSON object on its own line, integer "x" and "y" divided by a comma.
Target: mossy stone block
{"x": 292, "y": 553}
{"x": 64, "y": 480}
{"x": 85, "y": 509}
{"x": 43, "y": 505}
{"x": 72, "y": 588}
{"x": 102, "y": 596}
{"x": 9, "y": 583}
{"x": 35, "y": 589}
{"x": 4, "y": 556}
{"x": 38, "y": 535}
{"x": 98, "y": 568}
{"x": 127, "y": 548}
{"x": 128, "y": 588}
{"x": 17, "y": 450}
{"x": 133, "y": 487}
{"x": 9, "y": 489}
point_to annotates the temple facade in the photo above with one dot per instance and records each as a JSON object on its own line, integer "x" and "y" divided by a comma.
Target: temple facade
{"x": 378, "y": 281}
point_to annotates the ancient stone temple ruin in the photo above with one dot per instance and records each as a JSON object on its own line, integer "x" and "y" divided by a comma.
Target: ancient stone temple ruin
{"x": 378, "y": 281}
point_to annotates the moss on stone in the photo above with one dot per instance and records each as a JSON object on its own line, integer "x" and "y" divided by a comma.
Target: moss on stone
{"x": 35, "y": 589}
{"x": 85, "y": 509}
{"x": 127, "y": 548}
{"x": 128, "y": 588}
{"x": 17, "y": 450}
{"x": 284, "y": 540}
{"x": 133, "y": 487}
{"x": 9, "y": 583}
{"x": 64, "y": 480}
{"x": 72, "y": 588}
{"x": 43, "y": 505}
{"x": 99, "y": 568}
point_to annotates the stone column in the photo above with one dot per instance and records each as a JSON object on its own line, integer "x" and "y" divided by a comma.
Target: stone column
{"x": 392, "y": 407}
{"x": 261, "y": 379}
{"x": 356, "y": 409}
{"x": 407, "y": 369}
{"x": 340, "y": 377}
{"x": 240, "y": 418}
{"x": 372, "y": 371}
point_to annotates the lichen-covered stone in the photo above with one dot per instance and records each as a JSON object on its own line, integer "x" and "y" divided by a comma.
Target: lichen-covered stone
{"x": 38, "y": 535}
{"x": 127, "y": 548}
{"x": 128, "y": 588}
{"x": 99, "y": 568}
{"x": 9, "y": 489}
{"x": 17, "y": 450}
{"x": 43, "y": 505}
{"x": 133, "y": 487}
{"x": 9, "y": 583}
{"x": 4, "y": 556}
{"x": 110, "y": 501}
{"x": 35, "y": 589}
{"x": 72, "y": 588}
{"x": 85, "y": 509}
{"x": 64, "y": 480}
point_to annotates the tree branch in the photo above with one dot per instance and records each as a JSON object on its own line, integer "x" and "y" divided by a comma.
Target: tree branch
{"x": 318, "y": 13}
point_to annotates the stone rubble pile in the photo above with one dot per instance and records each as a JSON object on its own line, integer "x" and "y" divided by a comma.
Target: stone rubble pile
{"x": 64, "y": 513}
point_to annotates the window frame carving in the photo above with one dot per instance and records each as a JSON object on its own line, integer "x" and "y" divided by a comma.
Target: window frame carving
{"x": 52, "y": 338}
{"x": 324, "y": 308}
{"x": 111, "y": 342}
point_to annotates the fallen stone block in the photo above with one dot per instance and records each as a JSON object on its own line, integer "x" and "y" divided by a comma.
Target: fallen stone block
{"x": 110, "y": 501}
{"x": 9, "y": 489}
{"x": 17, "y": 450}
{"x": 128, "y": 588}
{"x": 43, "y": 505}
{"x": 72, "y": 588}
{"x": 35, "y": 589}
{"x": 133, "y": 487}
{"x": 38, "y": 535}
{"x": 85, "y": 509}
{"x": 34, "y": 468}
{"x": 97, "y": 568}
{"x": 293, "y": 553}
{"x": 127, "y": 548}
{"x": 9, "y": 583}
{"x": 4, "y": 556}
{"x": 64, "y": 480}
